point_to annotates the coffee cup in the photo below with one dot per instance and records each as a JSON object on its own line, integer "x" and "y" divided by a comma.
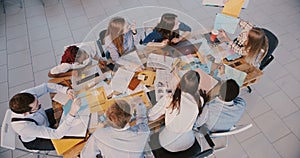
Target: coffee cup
{"x": 213, "y": 35}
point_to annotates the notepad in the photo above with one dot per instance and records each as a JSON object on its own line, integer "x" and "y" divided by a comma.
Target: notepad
{"x": 233, "y": 8}
{"x": 225, "y": 22}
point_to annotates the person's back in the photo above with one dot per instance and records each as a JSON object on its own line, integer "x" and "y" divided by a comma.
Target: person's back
{"x": 224, "y": 111}
{"x": 119, "y": 139}
{"x": 223, "y": 115}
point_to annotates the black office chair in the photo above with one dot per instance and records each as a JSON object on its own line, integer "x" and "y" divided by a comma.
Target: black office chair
{"x": 273, "y": 43}
{"x": 100, "y": 42}
{"x": 192, "y": 152}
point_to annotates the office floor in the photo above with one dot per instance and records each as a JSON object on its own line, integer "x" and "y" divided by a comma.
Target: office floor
{"x": 32, "y": 40}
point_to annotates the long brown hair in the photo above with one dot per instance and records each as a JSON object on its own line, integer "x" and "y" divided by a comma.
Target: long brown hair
{"x": 189, "y": 84}
{"x": 166, "y": 25}
{"x": 115, "y": 30}
{"x": 256, "y": 41}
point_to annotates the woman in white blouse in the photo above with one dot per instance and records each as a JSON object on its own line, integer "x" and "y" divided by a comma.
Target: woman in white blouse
{"x": 181, "y": 111}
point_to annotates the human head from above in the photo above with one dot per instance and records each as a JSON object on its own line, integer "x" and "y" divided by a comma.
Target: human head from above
{"x": 189, "y": 83}
{"x": 167, "y": 23}
{"x": 118, "y": 114}
{"x": 117, "y": 26}
{"x": 256, "y": 42}
{"x": 229, "y": 90}
{"x": 24, "y": 103}
{"x": 74, "y": 54}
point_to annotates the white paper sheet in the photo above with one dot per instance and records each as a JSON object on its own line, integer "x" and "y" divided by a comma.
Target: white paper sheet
{"x": 121, "y": 80}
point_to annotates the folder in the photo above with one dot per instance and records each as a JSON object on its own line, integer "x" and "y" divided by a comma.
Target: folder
{"x": 233, "y": 8}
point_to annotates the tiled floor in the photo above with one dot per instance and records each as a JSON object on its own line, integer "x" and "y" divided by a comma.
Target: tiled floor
{"x": 32, "y": 40}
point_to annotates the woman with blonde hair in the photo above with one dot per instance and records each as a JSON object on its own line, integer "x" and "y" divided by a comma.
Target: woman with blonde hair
{"x": 251, "y": 43}
{"x": 181, "y": 111}
{"x": 119, "y": 38}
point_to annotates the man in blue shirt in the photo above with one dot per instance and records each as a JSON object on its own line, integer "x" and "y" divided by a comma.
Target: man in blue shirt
{"x": 223, "y": 112}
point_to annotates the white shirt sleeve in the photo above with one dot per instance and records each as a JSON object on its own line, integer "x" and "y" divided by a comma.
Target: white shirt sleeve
{"x": 62, "y": 68}
{"x": 46, "y": 88}
{"x": 90, "y": 149}
{"x": 31, "y": 129}
{"x": 159, "y": 108}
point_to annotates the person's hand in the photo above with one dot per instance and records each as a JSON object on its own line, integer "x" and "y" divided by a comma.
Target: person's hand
{"x": 75, "y": 73}
{"x": 221, "y": 69}
{"x": 223, "y": 36}
{"x": 165, "y": 42}
{"x": 204, "y": 95}
{"x": 133, "y": 27}
{"x": 102, "y": 64}
{"x": 175, "y": 40}
{"x": 71, "y": 93}
{"x": 75, "y": 106}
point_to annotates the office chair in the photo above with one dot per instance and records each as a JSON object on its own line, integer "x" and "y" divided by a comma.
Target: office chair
{"x": 193, "y": 152}
{"x": 273, "y": 43}
{"x": 8, "y": 138}
{"x": 232, "y": 131}
{"x": 100, "y": 42}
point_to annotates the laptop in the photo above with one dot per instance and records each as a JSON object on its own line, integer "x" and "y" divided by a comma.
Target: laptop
{"x": 184, "y": 48}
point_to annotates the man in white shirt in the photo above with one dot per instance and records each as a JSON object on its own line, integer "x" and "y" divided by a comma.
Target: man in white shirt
{"x": 32, "y": 123}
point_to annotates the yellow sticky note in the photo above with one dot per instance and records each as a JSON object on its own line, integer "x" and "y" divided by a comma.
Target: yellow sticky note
{"x": 233, "y": 8}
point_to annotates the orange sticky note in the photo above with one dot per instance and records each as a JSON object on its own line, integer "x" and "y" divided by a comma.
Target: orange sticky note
{"x": 233, "y": 8}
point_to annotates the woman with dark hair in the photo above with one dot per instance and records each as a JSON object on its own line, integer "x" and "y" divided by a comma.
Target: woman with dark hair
{"x": 167, "y": 31}
{"x": 251, "y": 43}
{"x": 181, "y": 111}
{"x": 119, "y": 38}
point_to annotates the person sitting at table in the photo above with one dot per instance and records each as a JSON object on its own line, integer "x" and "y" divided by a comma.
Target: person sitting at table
{"x": 181, "y": 111}
{"x": 32, "y": 123}
{"x": 251, "y": 43}
{"x": 224, "y": 111}
{"x": 119, "y": 38}
{"x": 118, "y": 138}
{"x": 167, "y": 31}
{"x": 74, "y": 58}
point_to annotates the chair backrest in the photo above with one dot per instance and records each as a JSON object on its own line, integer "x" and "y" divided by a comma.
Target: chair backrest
{"x": 273, "y": 43}
{"x": 149, "y": 25}
{"x": 100, "y": 42}
{"x": 234, "y": 130}
{"x": 8, "y": 139}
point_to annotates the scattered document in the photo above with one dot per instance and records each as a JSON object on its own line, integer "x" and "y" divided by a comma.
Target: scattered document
{"x": 131, "y": 61}
{"x": 80, "y": 123}
{"x": 233, "y": 8}
{"x": 237, "y": 75}
{"x": 225, "y": 22}
{"x": 61, "y": 98}
{"x": 160, "y": 61}
{"x": 121, "y": 80}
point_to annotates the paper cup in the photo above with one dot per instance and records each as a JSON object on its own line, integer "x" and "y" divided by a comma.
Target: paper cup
{"x": 213, "y": 35}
